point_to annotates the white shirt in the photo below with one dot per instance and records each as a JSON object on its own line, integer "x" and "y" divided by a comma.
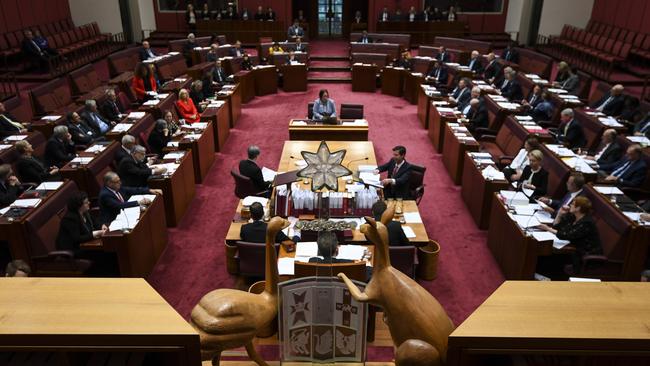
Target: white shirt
{"x": 397, "y": 168}
{"x": 520, "y": 161}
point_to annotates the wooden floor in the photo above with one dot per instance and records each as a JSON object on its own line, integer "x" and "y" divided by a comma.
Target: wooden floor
{"x": 382, "y": 339}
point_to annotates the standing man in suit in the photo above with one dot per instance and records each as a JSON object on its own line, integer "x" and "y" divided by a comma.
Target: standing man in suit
{"x": 146, "y": 52}
{"x": 396, "y": 236}
{"x": 295, "y": 31}
{"x": 91, "y": 115}
{"x": 365, "y": 38}
{"x": 438, "y": 73}
{"x": 9, "y": 186}
{"x": 442, "y": 55}
{"x": 384, "y": 16}
{"x": 31, "y": 169}
{"x": 570, "y": 131}
{"x": 574, "y": 186}
{"x": 134, "y": 170}
{"x": 510, "y": 54}
{"x": 188, "y": 46}
{"x": 609, "y": 151}
{"x": 110, "y": 109}
{"x": 81, "y": 133}
{"x": 631, "y": 170}
{"x": 249, "y": 168}
{"x": 125, "y": 150}
{"x": 255, "y": 232}
{"x": 396, "y": 185}
{"x": 475, "y": 63}
{"x": 9, "y": 125}
{"x": 59, "y": 149}
{"x": 612, "y": 102}
{"x": 114, "y": 197}
{"x": 510, "y": 87}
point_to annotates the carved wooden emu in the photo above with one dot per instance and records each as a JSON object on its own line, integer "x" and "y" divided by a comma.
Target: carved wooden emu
{"x": 417, "y": 322}
{"x": 227, "y": 318}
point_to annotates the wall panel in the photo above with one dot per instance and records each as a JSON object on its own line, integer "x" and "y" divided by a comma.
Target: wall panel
{"x": 630, "y": 14}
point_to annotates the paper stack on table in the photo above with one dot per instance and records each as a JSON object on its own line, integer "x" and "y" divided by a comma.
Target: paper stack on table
{"x": 27, "y": 202}
{"x": 82, "y": 159}
{"x": 286, "y": 266}
{"x": 126, "y": 219}
{"x": 49, "y": 186}
{"x": 351, "y": 252}
{"x": 121, "y": 127}
{"x": 408, "y": 231}
{"x": 268, "y": 174}
{"x": 95, "y": 148}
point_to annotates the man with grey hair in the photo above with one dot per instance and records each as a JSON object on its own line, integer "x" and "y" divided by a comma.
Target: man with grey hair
{"x": 510, "y": 87}
{"x": 188, "y": 47}
{"x": 114, "y": 197}
{"x": 134, "y": 170}
{"x": 492, "y": 70}
{"x": 128, "y": 142}
{"x": 475, "y": 62}
{"x": 60, "y": 148}
{"x": 146, "y": 52}
{"x": 475, "y": 94}
{"x": 609, "y": 150}
{"x": 94, "y": 120}
{"x": 110, "y": 109}
{"x": 477, "y": 115}
{"x": 569, "y": 133}
{"x": 612, "y": 102}
{"x": 250, "y": 169}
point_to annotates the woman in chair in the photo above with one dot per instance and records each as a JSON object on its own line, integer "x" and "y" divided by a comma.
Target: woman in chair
{"x": 77, "y": 226}
{"x": 186, "y": 107}
{"x": 159, "y": 137}
{"x": 143, "y": 82}
{"x": 534, "y": 177}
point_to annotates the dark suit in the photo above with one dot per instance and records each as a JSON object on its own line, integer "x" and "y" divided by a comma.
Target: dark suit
{"x": 6, "y": 127}
{"x": 260, "y": 16}
{"x": 612, "y": 154}
{"x": 294, "y": 32}
{"x": 475, "y": 65}
{"x": 157, "y": 142}
{"x": 478, "y": 118}
{"x": 365, "y": 40}
{"x": 32, "y": 170}
{"x": 328, "y": 260}
{"x": 571, "y": 84}
{"x": 614, "y": 106}
{"x": 443, "y": 57}
{"x": 270, "y": 16}
{"x": 492, "y": 70}
{"x": 81, "y": 133}
{"x": 219, "y": 75}
{"x": 255, "y": 232}
{"x": 540, "y": 181}
{"x": 643, "y": 126}
{"x": 91, "y": 120}
{"x": 565, "y": 201}
{"x": 110, "y": 205}
{"x": 574, "y": 137}
{"x": 512, "y": 90}
{"x": 300, "y": 47}
{"x": 462, "y": 97}
{"x": 233, "y": 52}
{"x": 402, "y": 179}
{"x": 58, "y": 153}
{"x": 134, "y": 174}
{"x": 120, "y": 154}
{"x": 536, "y": 101}
{"x": 144, "y": 54}
{"x": 583, "y": 235}
{"x": 441, "y": 73}
{"x": 250, "y": 169}
{"x": 110, "y": 110}
{"x": 187, "y": 51}
{"x": 511, "y": 55}
{"x": 633, "y": 175}
{"x": 543, "y": 111}
{"x": 73, "y": 231}
{"x": 396, "y": 236}
{"x": 8, "y": 194}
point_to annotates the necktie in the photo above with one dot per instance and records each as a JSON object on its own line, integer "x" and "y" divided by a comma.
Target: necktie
{"x": 395, "y": 169}
{"x": 566, "y": 128}
{"x": 507, "y": 56}
{"x": 620, "y": 171}
{"x": 646, "y": 127}
{"x": 532, "y": 100}
{"x": 437, "y": 73}
{"x": 505, "y": 84}
{"x": 37, "y": 48}
{"x": 602, "y": 106}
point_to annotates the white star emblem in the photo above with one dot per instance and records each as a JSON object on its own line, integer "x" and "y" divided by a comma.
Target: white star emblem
{"x": 324, "y": 167}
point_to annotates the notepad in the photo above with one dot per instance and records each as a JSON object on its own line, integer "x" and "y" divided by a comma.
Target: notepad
{"x": 286, "y": 266}
{"x": 27, "y": 202}
{"x": 412, "y": 218}
{"x": 306, "y": 249}
{"x": 607, "y": 190}
{"x": 408, "y": 231}
{"x": 49, "y": 186}
{"x": 351, "y": 252}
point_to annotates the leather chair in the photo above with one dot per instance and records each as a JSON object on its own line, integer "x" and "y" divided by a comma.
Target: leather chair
{"x": 351, "y": 111}
{"x": 403, "y": 259}
{"x": 310, "y": 110}
{"x": 355, "y": 271}
{"x": 416, "y": 182}
{"x": 251, "y": 258}
{"x": 244, "y": 186}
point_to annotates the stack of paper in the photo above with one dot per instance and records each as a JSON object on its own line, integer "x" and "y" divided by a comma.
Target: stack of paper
{"x": 27, "y": 202}
{"x": 136, "y": 115}
{"x": 412, "y": 218}
{"x": 491, "y": 173}
{"x": 298, "y": 123}
{"x": 15, "y": 137}
{"x": 370, "y": 178}
{"x": 49, "y": 186}
{"x": 306, "y": 249}
{"x": 608, "y": 190}
{"x": 286, "y": 266}
{"x": 4, "y": 147}
{"x": 171, "y": 167}
{"x": 408, "y": 231}
{"x": 151, "y": 102}
{"x": 173, "y": 144}
{"x": 121, "y": 127}
{"x": 513, "y": 198}
{"x": 174, "y": 155}
{"x": 82, "y": 159}
{"x": 268, "y": 174}
{"x": 126, "y": 219}
{"x": 96, "y": 148}
{"x": 51, "y": 118}
{"x": 138, "y": 197}
{"x": 351, "y": 252}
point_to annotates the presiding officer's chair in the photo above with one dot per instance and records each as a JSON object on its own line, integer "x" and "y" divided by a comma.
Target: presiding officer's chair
{"x": 244, "y": 186}
{"x": 416, "y": 183}
{"x": 351, "y": 111}
{"x": 402, "y": 258}
{"x": 354, "y": 271}
{"x": 310, "y": 110}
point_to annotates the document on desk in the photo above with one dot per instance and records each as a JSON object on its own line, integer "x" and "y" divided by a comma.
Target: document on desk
{"x": 300, "y": 163}
{"x": 306, "y": 249}
{"x": 173, "y": 143}
{"x": 5, "y": 147}
{"x": 513, "y": 198}
{"x": 171, "y": 167}
{"x": 249, "y": 200}
{"x": 151, "y": 102}
{"x": 95, "y": 149}
{"x": 268, "y": 174}
{"x": 607, "y": 190}
{"x": 136, "y": 115}
{"x": 51, "y": 118}
{"x": 49, "y": 186}
{"x": 286, "y": 266}
{"x": 525, "y": 221}
{"x": 356, "y": 122}
{"x": 366, "y": 168}
{"x": 298, "y": 123}
{"x": 197, "y": 126}
{"x": 370, "y": 178}
{"x": 82, "y": 159}
{"x": 174, "y": 155}
{"x": 15, "y": 137}
{"x": 138, "y": 197}
{"x": 26, "y": 203}
{"x": 408, "y": 231}
{"x": 412, "y": 218}
{"x": 351, "y": 252}
{"x": 121, "y": 127}
{"x": 126, "y": 219}
{"x": 543, "y": 236}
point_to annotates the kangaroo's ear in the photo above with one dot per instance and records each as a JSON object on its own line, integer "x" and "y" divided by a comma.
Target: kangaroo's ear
{"x": 387, "y": 216}
{"x": 371, "y": 221}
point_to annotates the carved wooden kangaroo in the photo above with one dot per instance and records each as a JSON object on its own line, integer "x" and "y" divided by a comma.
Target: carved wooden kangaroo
{"x": 417, "y": 322}
{"x": 227, "y": 318}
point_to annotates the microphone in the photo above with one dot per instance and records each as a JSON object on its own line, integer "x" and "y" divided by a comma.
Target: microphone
{"x": 128, "y": 224}
{"x": 352, "y": 161}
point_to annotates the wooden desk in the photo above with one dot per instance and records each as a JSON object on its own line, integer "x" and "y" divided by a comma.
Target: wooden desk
{"x": 390, "y": 49}
{"x": 453, "y": 152}
{"x": 437, "y": 122}
{"x": 423, "y": 32}
{"x": 89, "y": 176}
{"x": 364, "y": 78}
{"x": 424, "y": 105}
{"x": 163, "y": 105}
{"x": 317, "y": 131}
{"x": 266, "y": 80}
{"x": 246, "y": 81}
{"x": 178, "y": 190}
{"x": 220, "y": 119}
{"x": 233, "y": 96}
{"x": 138, "y": 250}
{"x": 137, "y": 126}
{"x": 248, "y": 31}
{"x": 10, "y": 155}
{"x": 79, "y": 317}
{"x": 202, "y": 150}
{"x": 170, "y": 67}
{"x": 412, "y": 82}
{"x": 46, "y": 127}
{"x": 197, "y": 71}
{"x": 584, "y": 323}
{"x": 478, "y": 192}
{"x": 175, "y": 85}
{"x": 294, "y": 77}
{"x": 392, "y": 81}
{"x": 455, "y": 74}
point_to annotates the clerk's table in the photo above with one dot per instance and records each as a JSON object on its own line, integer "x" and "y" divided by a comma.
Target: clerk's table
{"x": 346, "y": 130}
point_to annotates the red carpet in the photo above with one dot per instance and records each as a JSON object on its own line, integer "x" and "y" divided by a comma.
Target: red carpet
{"x": 194, "y": 261}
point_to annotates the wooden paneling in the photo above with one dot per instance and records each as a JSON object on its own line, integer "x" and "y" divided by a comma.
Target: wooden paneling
{"x": 20, "y": 14}
{"x": 628, "y": 14}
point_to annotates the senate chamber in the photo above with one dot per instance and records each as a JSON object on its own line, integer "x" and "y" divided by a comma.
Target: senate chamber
{"x": 300, "y": 182}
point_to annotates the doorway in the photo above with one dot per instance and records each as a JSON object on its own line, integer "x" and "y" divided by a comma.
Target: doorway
{"x": 330, "y": 18}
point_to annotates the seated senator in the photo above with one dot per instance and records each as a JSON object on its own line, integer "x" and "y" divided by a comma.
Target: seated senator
{"x": 324, "y": 107}
{"x": 198, "y": 95}
{"x": 9, "y": 125}
{"x": 255, "y": 232}
{"x": 159, "y": 138}
{"x": 327, "y": 249}
{"x": 77, "y": 225}
{"x": 574, "y": 187}
{"x": 187, "y": 108}
{"x": 249, "y": 168}
{"x": 628, "y": 172}
{"x": 438, "y": 73}
{"x": 534, "y": 176}
{"x": 32, "y": 169}
{"x": 543, "y": 110}
{"x": 114, "y": 197}
{"x": 570, "y": 133}
{"x": 10, "y": 187}
{"x": 134, "y": 170}
{"x": 576, "y": 225}
{"x": 396, "y": 236}
{"x": 513, "y": 171}
{"x": 609, "y": 151}
{"x": 143, "y": 82}
{"x": 396, "y": 185}
{"x": 81, "y": 133}
{"x": 59, "y": 149}
{"x": 94, "y": 119}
